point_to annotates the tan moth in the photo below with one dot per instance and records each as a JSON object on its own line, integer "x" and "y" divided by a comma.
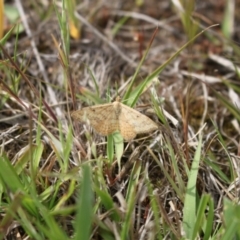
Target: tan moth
{"x": 111, "y": 117}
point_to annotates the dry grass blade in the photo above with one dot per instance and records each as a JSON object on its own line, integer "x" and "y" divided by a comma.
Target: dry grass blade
{"x": 160, "y": 187}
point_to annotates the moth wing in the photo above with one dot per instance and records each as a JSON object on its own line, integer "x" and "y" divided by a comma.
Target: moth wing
{"x": 125, "y": 127}
{"x": 101, "y": 117}
{"x": 139, "y": 122}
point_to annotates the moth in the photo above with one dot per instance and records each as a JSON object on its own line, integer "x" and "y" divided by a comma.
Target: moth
{"x": 111, "y": 117}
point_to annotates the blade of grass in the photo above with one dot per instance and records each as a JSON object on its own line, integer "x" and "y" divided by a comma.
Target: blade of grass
{"x": 202, "y": 207}
{"x": 131, "y": 97}
{"x": 128, "y": 96}
{"x": 233, "y": 109}
{"x": 231, "y": 217}
{"x": 167, "y": 175}
{"x": 189, "y": 210}
{"x": 85, "y": 206}
{"x": 110, "y": 148}
{"x": 128, "y": 222}
{"x": 233, "y": 174}
{"x": 9, "y": 175}
{"x": 119, "y": 147}
{"x": 218, "y": 171}
{"x": 118, "y": 25}
{"x": 210, "y": 220}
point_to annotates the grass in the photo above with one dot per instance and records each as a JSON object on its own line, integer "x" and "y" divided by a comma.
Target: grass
{"x": 61, "y": 180}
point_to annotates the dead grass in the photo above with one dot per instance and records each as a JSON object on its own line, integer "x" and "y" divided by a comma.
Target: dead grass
{"x": 61, "y": 180}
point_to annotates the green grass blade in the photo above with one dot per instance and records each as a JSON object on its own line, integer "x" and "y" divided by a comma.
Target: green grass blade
{"x": 131, "y": 97}
{"x": 218, "y": 170}
{"x": 108, "y": 203}
{"x": 231, "y": 217}
{"x": 189, "y": 210}
{"x": 119, "y": 147}
{"x": 200, "y": 215}
{"x": 131, "y": 200}
{"x": 210, "y": 220}
{"x": 85, "y": 206}
{"x": 128, "y": 95}
{"x": 9, "y": 175}
{"x": 110, "y": 148}
{"x": 230, "y": 106}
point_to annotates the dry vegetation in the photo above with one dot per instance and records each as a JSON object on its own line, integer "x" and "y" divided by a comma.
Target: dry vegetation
{"x": 60, "y": 179}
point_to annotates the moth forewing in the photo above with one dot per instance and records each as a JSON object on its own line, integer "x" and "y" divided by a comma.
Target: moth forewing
{"x": 111, "y": 117}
